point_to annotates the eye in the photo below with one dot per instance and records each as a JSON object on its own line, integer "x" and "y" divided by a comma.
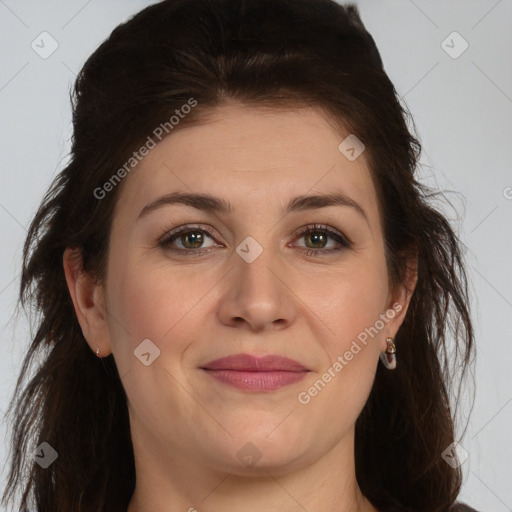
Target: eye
{"x": 317, "y": 237}
{"x": 191, "y": 239}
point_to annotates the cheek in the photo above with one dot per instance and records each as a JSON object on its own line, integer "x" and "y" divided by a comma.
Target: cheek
{"x": 352, "y": 311}
{"x": 159, "y": 302}
{"x": 350, "y": 304}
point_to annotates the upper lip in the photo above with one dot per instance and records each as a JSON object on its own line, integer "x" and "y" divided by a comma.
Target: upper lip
{"x": 249, "y": 363}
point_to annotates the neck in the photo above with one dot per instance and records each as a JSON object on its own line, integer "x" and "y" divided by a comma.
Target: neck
{"x": 327, "y": 484}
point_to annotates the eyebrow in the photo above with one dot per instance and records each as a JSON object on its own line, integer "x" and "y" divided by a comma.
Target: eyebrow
{"x": 212, "y": 204}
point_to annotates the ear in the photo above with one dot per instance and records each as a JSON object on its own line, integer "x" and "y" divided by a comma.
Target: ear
{"x": 89, "y": 302}
{"x": 399, "y": 297}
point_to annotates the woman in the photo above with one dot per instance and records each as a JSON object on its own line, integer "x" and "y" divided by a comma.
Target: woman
{"x": 237, "y": 241}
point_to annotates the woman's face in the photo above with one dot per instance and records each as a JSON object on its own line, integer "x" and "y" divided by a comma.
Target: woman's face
{"x": 244, "y": 280}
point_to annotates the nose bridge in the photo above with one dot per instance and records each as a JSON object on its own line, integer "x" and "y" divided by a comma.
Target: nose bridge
{"x": 256, "y": 292}
{"x": 257, "y": 265}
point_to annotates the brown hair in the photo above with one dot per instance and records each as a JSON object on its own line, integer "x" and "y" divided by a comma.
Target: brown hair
{"x": 263, "y": 52}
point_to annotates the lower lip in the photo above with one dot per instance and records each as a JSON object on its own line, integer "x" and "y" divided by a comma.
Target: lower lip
{"x": 257, "y": 381}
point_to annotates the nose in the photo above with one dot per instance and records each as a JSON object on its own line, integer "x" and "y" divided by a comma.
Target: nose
{"x": 256, "y": 295}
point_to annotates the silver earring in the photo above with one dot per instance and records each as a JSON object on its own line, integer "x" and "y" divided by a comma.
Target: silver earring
{"x": 388, "y": 358}
{"x": 98, "y": 351}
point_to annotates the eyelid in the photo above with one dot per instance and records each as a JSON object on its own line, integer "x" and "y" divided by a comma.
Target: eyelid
{"x": 184, "y": 229}
{"x": 324, "y": 227}
{"x": 334, "y": 233}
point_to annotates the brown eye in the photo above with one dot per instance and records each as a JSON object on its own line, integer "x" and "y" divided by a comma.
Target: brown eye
{"x": 192, "y": 239}
{"x": 189, "y": 239}
{"x": 317, "y": 238}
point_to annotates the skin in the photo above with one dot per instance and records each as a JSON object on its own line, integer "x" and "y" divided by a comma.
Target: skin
{"x": 187, "y": 427}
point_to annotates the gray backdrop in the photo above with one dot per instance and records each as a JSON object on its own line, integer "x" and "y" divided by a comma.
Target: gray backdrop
{"x": 450, "y": 61}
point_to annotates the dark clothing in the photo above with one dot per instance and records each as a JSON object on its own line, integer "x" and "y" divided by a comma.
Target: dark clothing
{"x": 456, "y": 507}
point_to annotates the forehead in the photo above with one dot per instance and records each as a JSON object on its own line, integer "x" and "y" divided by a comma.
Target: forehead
{"x": 241, "y": 152}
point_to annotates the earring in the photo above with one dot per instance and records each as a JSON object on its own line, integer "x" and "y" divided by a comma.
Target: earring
{"x": 98, "y": 351}
{"x": 388, "y": 358}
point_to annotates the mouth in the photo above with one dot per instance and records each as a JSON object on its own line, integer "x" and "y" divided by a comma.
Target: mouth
{"x": 258, "y": 374}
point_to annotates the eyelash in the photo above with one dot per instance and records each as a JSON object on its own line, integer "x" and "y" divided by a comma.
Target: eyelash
{"x": 312, "y": 228}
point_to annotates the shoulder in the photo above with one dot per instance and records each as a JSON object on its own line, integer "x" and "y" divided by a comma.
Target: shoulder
{"x": 461, "y": 507}
{"x": 456, "y": 507}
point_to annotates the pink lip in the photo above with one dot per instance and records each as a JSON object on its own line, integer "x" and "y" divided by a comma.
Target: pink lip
{"x": 266, "y": 373}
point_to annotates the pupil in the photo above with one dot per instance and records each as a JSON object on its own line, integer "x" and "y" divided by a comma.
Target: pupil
{"x": 196, "y": 238}
{"x": 317, "y": 238}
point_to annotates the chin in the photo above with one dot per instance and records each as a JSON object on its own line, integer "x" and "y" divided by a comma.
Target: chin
{"x": 254, "y": 453}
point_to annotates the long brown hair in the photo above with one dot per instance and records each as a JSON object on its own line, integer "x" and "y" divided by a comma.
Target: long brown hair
{"x": 272, "y": 52}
